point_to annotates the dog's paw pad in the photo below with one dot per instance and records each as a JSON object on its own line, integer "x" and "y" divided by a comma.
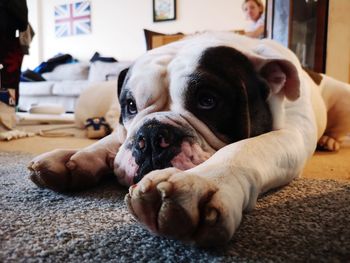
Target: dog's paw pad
{"x": 328, "y": 143}
{"x": 169, "y": 206}
{"x": 30, "y": 166}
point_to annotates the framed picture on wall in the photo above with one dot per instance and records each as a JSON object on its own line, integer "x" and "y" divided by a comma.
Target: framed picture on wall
{"x": 164, "y": 10}
{"x": 72, "y": 19}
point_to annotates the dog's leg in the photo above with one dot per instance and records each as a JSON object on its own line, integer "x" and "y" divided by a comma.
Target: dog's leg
{"x": 65, "y": 170}
{"x": 336, "y": 96}
{"x": 205, "y": 204}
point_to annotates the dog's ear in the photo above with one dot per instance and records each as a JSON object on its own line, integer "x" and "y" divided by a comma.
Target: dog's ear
{"x": 282, "y": 77}
{"x": 121, "y": 79}
{"x": 278, "y": 67}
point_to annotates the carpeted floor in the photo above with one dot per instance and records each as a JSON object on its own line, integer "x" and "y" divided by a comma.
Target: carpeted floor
{"x": 306, "y": 221}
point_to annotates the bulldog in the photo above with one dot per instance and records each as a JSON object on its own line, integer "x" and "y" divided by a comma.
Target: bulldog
{"x": 206, "y": 125}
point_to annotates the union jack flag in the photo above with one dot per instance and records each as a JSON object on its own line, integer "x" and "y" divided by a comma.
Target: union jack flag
{"x": 72, "y": 19}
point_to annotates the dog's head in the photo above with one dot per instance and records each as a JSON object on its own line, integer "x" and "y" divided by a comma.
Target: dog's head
{"x": 182, "y": 102}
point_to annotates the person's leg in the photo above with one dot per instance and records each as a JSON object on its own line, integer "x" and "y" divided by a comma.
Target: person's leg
{"x": 11, "y": 57}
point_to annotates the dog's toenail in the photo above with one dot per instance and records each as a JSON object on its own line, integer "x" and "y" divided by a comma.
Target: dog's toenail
{"x": 35, "y": 166}
{"x": 165, "y": 189}
{"x": 71, "y": 165}
{"x": 146, "y": 185}
{"x": 127, "y": 200}
{"x": 131, "y": 189}
{"x": 30, "y": 166}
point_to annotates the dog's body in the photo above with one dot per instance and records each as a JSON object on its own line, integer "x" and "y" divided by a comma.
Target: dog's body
{"x": 207, "y": 124}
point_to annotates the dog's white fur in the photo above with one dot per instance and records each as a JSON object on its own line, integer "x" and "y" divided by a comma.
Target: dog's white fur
{"x": 204, "y": 204}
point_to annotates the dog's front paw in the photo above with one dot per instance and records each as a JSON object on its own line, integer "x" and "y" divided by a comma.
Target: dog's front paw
{"x": 184, "y": 206}
{"x": 65, "y": 170}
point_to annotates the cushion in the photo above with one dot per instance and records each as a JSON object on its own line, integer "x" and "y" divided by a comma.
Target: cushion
{"x": 156, "y": 39}
{"x": 102, "y": 71}
{"x": 59, "y": 59}
{"x": 71, "y": 71}
{"x": 40, "y": 88}
{"x": 69, "y": 88}
{"x": 30, "y": 75}
{"x": 98, "y": 57}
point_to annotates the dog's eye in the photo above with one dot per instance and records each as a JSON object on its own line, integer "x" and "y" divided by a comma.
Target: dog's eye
{"x": 206, "y": 101}
{"x": 131, "y": 107}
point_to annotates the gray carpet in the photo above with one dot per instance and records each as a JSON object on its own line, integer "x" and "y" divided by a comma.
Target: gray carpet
{"x": 307, "y": 221}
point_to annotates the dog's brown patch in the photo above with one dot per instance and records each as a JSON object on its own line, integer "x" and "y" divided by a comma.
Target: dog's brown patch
{"x": 316, "y": 77}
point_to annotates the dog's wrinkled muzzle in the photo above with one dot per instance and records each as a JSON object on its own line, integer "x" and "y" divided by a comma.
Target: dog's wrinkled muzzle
{"x": 155, "y": 144}
{"x": 159, "y": 141}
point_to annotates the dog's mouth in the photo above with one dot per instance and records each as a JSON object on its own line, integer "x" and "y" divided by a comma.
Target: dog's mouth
{"x": 185, "y": 157}
{"x": 189, "y": 154}
{"x": 159, "y": 144}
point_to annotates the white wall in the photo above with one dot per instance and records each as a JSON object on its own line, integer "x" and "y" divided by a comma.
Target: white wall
{"x": 33, "y": 59}
{"x": 117, "y": 26}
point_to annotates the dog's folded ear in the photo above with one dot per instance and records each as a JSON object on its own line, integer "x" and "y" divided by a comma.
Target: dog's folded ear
{"x": 282, "y": 76}
{"x": 121, "y": 79}
{"x": 280, "y": 73}
{"x": 280, "y": 69}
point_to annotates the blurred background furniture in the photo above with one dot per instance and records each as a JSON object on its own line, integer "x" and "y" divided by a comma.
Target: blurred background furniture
{"x": 65, "y": 83}
{"x": 300, "y": 25}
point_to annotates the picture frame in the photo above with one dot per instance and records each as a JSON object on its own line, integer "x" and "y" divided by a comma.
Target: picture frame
{"x": 72, "y": 19}
{"x": 164, "y": 10}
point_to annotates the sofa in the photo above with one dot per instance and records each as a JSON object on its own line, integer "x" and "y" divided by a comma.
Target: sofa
{"x": 65, "y": 82}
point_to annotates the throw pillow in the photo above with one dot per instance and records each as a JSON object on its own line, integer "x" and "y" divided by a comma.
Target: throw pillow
{"x": 71, "y": 71}
{"x": 102, "y": 71}
{"x": 98, "y": 57}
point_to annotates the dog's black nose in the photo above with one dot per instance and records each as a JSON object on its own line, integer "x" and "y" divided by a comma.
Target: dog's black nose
{"x": 154, "y": 146}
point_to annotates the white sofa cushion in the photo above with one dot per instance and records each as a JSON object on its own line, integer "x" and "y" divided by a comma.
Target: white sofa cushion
{"x": 38, "y": 88}
{"x": 99, "y": 70}
{"x": 71, "y": 71}
{"x": 69, "y": 88}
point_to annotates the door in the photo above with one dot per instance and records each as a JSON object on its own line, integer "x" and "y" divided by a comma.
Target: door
{"x": 300, "y": 25}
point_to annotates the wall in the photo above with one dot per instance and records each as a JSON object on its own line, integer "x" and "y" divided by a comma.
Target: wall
{"x": 117, "y": 26}
{"x": 338, "y": 43}
{"x": 117, "y": 29}
{"x": 34, "y": 57}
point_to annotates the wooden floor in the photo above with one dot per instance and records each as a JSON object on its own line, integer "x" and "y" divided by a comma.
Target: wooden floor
{"x": 68, "y": 137}
{"x": 327, "y": 165}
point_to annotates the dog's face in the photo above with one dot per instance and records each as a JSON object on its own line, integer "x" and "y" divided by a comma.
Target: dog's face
{"x": 179, "y": 107}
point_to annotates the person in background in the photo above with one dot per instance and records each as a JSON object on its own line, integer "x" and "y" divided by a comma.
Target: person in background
{"x": 13, "y": 19}
{"x": 254, "y": 9}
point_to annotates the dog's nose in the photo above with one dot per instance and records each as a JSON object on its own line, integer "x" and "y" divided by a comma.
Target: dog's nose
{"x": 154, "y": 146}
{"x": 161, "y": 139}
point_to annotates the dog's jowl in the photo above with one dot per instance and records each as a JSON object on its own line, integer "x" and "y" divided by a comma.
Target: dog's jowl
{"x": 206, "y": 125}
